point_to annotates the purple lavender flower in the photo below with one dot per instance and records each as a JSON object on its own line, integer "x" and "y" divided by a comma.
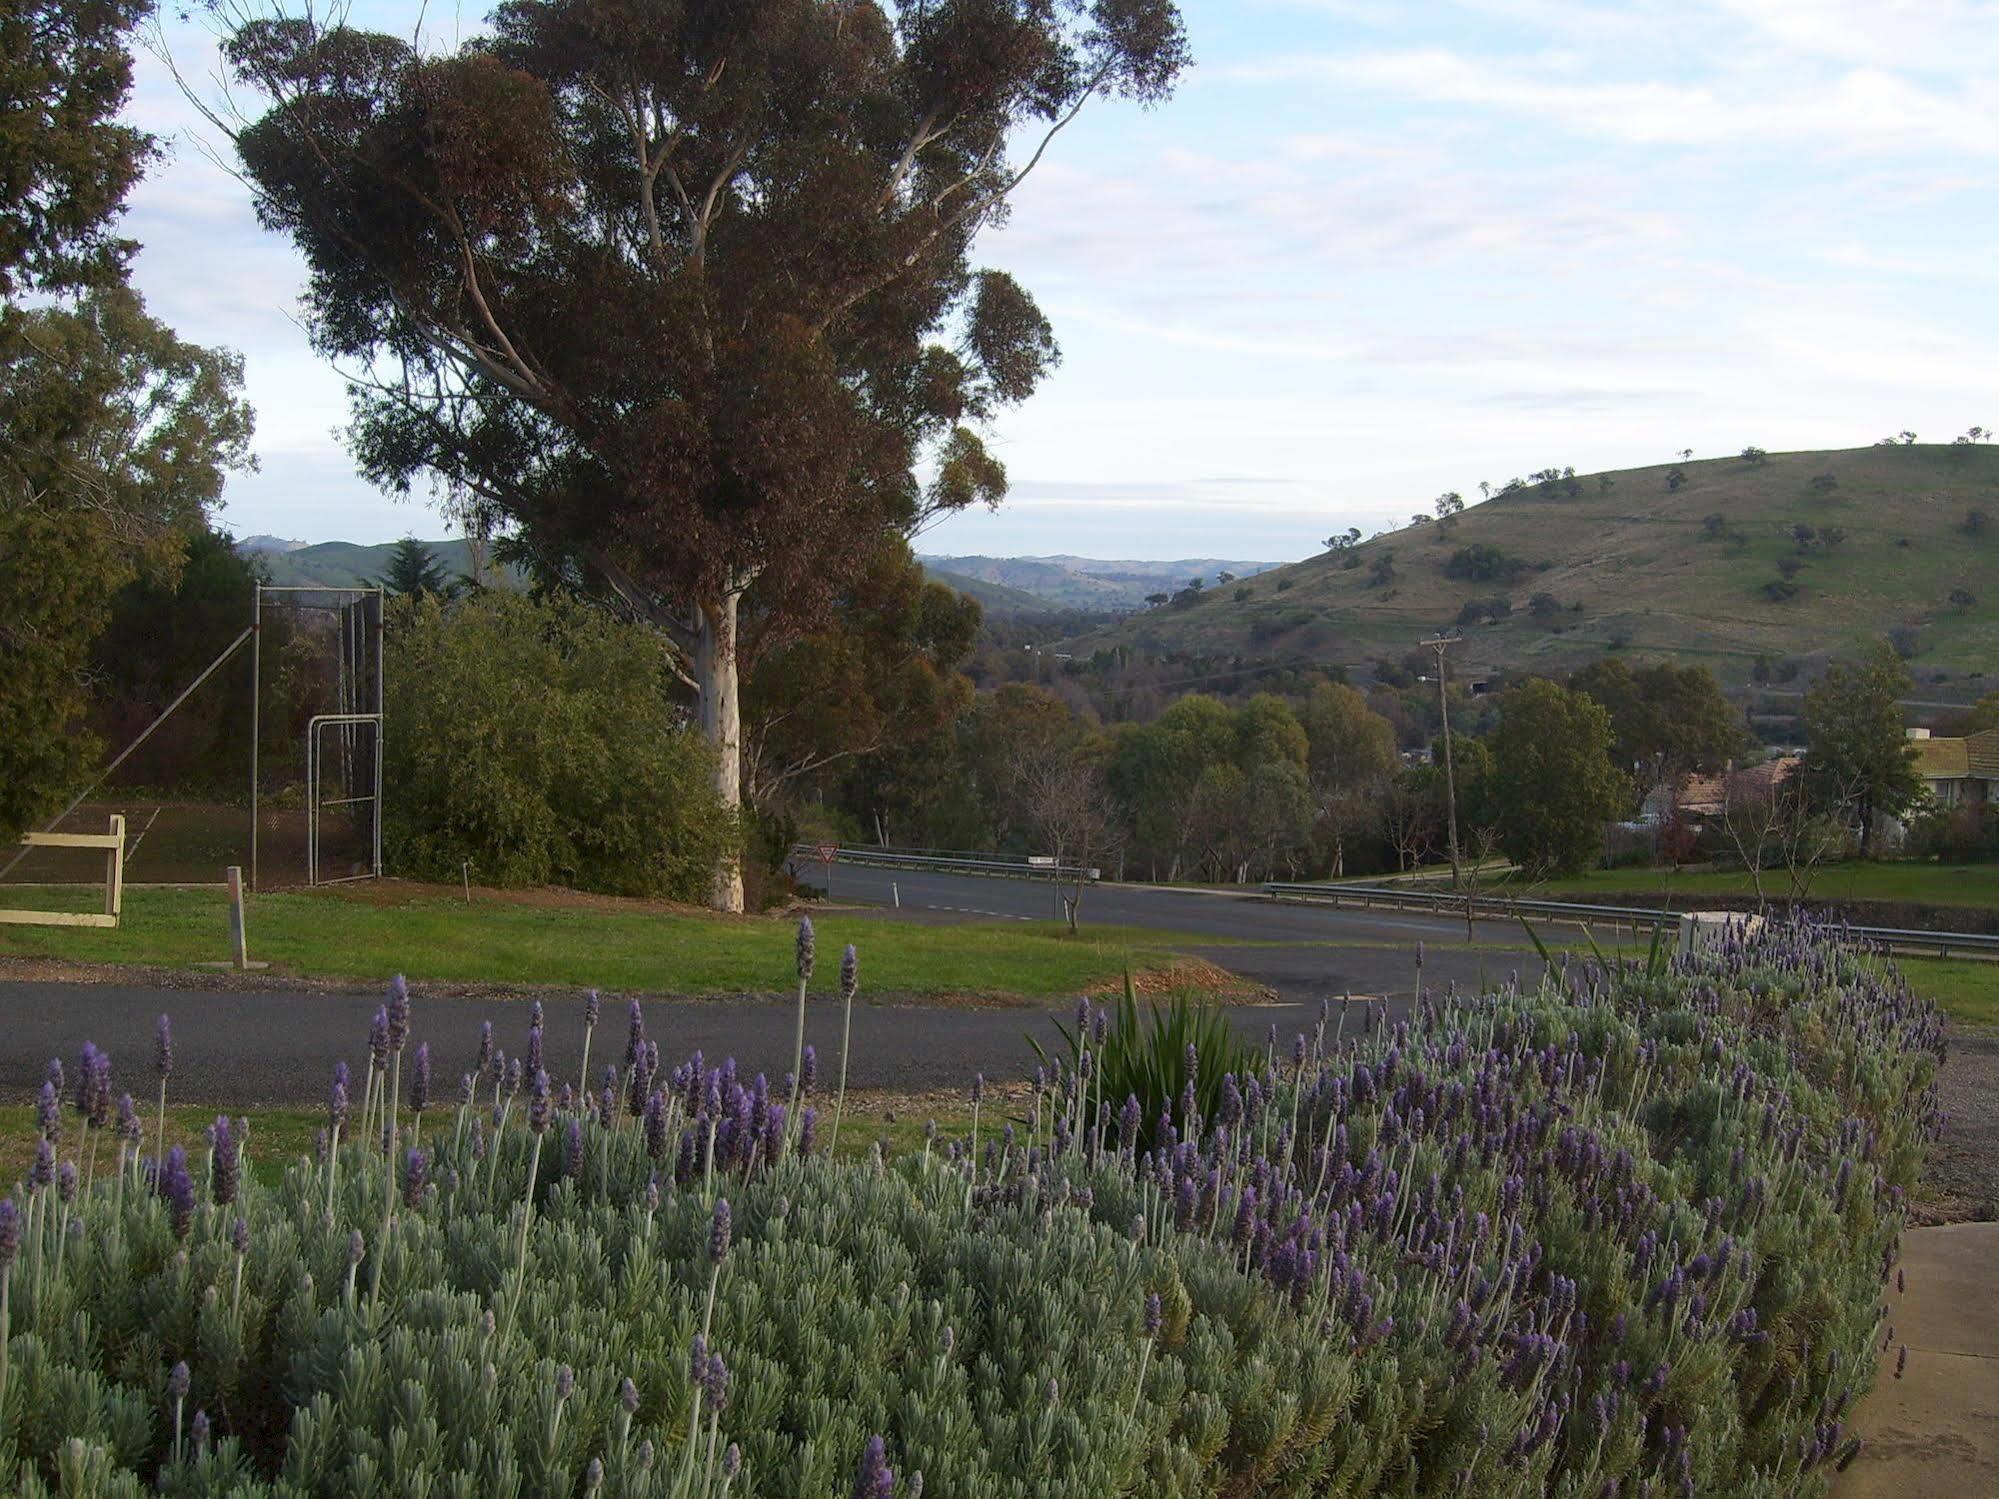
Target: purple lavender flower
{"x": 163, "y": 1047}
{"x": 378, "y": 1038}
{"x": 416, "y": 1172}
{"x": 808, "y": 1070}
{"x": 399, "y": 1012}
{"x": 978, "y": 1087}
{"x": 66, "y": 1182}
{"x": 239, "y": 1236}
{"x": 628, "y": 1396}
{"x": 697, "y": 1362}
{"x": 534, "y": 1047}
{"x": 732, "y": 1461}
{"x": 179, "y": 1381}
{"x": 850, "y": 974}
{"x": 43, "y": 1171}
{"x": 808, "y": 949}
{"x": 177, "y": 1187}
{"x": 10, "y": 1232}
{"x": 86, "y": 1064}
{"x": 97, "y": 1083}
{"x": 420, "y": 1080}
{"x": 227, "y": 1171}
{"x": 572, "y": 1146}
{"x": 1154, "y": 1315}
{"x": 538, "y": 1104}
{"x": 717, "y": 1382}
{"x": 635, "y": 1033}
{"x": 48, "y": 1113}
{"x": 876, "y": 1479}
{"x": 655, "y": 1124}
{"x": 719, "y": 1232}
{"x": 808, "y": 1131}
{"x": 485, "y": 1064}
{"x": 200, "y": 1432}
{"x": 592, "y": 1006}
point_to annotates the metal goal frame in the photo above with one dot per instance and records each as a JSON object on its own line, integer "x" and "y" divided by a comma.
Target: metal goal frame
{"x": 373, "y": 623}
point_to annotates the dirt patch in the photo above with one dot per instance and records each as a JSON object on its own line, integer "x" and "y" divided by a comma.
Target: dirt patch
{"x": 1190, "y": 975}
{"x": 1961, "y": 1182}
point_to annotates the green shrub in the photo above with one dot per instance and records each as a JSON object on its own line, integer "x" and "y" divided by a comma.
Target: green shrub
{"x": 537, "y": 739}
{"x": 1624, "y": 1234}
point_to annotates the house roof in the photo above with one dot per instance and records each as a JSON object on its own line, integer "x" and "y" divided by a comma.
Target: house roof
{"x": 1701, "y": 795}
{"x": 1941, "y": 759}
{"x": 1982, "y": 752}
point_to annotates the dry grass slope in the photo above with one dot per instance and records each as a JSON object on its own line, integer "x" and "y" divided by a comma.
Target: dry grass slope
{"x": 1649, "y": 573}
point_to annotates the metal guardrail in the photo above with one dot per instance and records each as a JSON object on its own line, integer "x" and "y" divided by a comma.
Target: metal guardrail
{"x": 1022, "y": 868}
{"x": 1894, "y": 939}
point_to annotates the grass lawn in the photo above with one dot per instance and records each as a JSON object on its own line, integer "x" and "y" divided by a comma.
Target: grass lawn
{"x": 368, "y": 933}
{"x": 1966, "y": 988}
{"x": 1918, "y": 884}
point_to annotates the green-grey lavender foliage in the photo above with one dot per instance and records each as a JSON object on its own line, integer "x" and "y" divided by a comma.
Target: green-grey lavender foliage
{"x": 1627, "y": 1235}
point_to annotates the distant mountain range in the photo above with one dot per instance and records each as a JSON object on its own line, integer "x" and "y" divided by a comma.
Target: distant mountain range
{"x": 1087, "y": 583}
{"x": 1004, "y": 585}
{"x": 341, "y": 564}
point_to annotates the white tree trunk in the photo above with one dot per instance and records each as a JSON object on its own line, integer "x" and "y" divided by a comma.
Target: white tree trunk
{"x": 722, "y": 723}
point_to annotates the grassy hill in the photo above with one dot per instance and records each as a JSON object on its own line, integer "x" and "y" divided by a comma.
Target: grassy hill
{"x": 1635, "y": 563}
{"x": 997, "y": 598}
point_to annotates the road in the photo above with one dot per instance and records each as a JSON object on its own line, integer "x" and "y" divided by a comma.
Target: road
{"x": 244, "y": 1047}
{"x": 1241, "y": 916}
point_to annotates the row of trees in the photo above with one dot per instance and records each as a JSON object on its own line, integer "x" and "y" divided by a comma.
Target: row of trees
{"x": 1313, "y": 783}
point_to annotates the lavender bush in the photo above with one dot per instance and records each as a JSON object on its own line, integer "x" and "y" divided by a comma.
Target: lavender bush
{"x": 1624, "y": 1235}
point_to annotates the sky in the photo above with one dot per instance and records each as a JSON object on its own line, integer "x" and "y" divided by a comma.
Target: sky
{"x": 1371, "y": 251}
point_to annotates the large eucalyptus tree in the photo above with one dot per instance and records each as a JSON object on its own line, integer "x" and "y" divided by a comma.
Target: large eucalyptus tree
{"x": 681, "y": 290}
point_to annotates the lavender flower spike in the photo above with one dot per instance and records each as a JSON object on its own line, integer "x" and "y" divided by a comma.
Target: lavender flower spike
{"x": 10, "y": 1232}
{"x": 416, "y": 1172}
{"x": 399, "y": 1012}
{"x": 719, "y": 1232}
{"x": 876, "y": 1479}
{"x": 538, "y": 1104}
{"x": 850, "y": 973}
{"x": 808, "y": 949}
{"x": 163, "y": 1047}
{"x": 420, "y": 1080}
{"x": 227, "y": 1171}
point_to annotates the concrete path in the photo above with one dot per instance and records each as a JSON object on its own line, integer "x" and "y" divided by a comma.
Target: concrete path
{"x": 1934, "y": 1433}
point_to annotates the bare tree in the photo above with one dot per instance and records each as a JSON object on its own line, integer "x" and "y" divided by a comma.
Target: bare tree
{"x": 1061, "y": 796}
{"x": 1480, "y": 846}
{"x": 1409, "y": 818}
{"x": 1348, "y": 813}
{"x": 1772, "y": 826}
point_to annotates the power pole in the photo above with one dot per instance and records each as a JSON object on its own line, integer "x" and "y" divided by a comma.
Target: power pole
{"x": 1440, "y": 644}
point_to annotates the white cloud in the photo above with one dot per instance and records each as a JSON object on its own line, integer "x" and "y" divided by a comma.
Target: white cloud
{"x": 1865, "y": 107}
